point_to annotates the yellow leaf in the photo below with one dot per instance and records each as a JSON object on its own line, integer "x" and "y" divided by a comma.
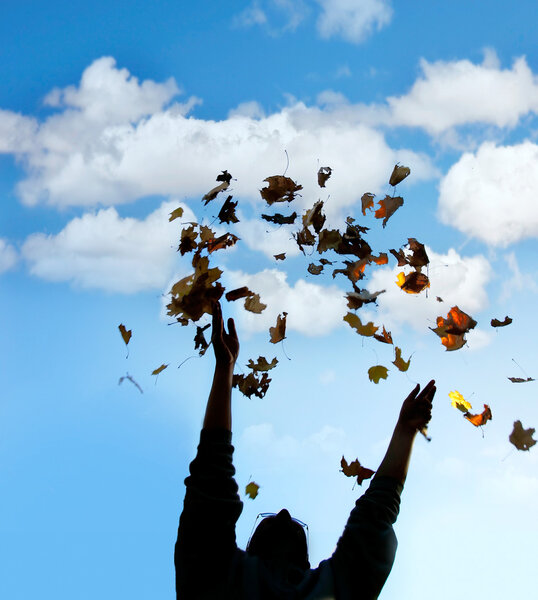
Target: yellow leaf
{"x": 459, "y": 402}
{"x": 399, "y": 361}
{"x": 252, "y": 490}
{"x": 175, "y": 214}
{"x": 378, "y": 372}
{"x": 367, "y": 330}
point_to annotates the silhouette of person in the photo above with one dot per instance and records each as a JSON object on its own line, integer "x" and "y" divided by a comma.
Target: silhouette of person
{"x": 208, "y": 563}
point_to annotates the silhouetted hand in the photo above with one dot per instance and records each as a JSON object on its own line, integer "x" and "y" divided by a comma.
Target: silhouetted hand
{"x": 416, "y": 409}
{"x": 225, "y": 345}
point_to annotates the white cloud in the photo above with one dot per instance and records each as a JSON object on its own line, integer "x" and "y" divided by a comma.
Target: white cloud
{"x": 265, "y": 237}
{"x": 455, "y": 279}
{"x": 313, "y": 309}
{"x": 251, "y": 15}
{"x": 113, "y": 140}
{"x": 292, "y": 12}
{"x": 107, "y": 252}
{"x": 353, "y": 20}
{"x": 17, "y": 132}
{"x": 519, "y": 281}
{"x": 8, "y": 256}
{"x": 491, "y": 194}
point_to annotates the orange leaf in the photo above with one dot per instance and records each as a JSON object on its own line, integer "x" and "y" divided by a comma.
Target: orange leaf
{"x": 387, "y": 207}
{"x": 481, "y": 419}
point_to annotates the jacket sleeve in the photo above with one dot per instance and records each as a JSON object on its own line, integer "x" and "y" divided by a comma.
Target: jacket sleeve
{"x": 206, "y": 543}
{"x": 365, "y": 552}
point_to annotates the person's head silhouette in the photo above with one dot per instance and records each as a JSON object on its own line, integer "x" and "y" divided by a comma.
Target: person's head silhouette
{"x": 280, "y": 538}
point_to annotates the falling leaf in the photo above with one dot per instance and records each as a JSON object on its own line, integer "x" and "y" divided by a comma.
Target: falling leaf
{"x": 159, "y": 369}
{"x": 251, "y": 490}
{"x": 377, "y": 372}
{"x": 497, "y": 323}
{"x": 225, "y": 178}
{"x": 367, "y": 202}
{"x": 355, "y": 469}
{"x": 387, "y": 207}
{"x": 175, "y": 214}
{"x": 199, "y": 339}
{"x": 520, "y": 379}
{"x": 280, "y": 256}
{"x": 522, "y": 438}
{"x": 188, "y": 237}
{"x": 459, "y": 402}
{"x": 481, "y": 419}
{"x": 251, "y": 385}
{"x": 125, "y": 334}
{"x": 253, "y": 304}
{"x": 280, "y": 189}
{"x": 314, "y": 269}
{"x": 323, "y": 174}
{"x": 261, "y": 364}
{"x": 367, "y": 330}
{"x": 223, "y": 241}
{"x": 399, "y": 362}
{"x": 384, "y": 337}
{"x": 279, "y": 219}
{"x": 304, "y": 237}
{"x": 439, "y": 299}
{"x": 329, "y": 239}
{"x": 314, "y": 217}
{"x": 398, "y": 174}
{"x": 278, "y": 332}
{"x": 417, "y": 258}
{"x": 413, "y": 283}
{"x": 452, "y": 330}
{"x": 357, "y": 299}
{"x": 242, "y": 292}
{"x": 227, "y": 212}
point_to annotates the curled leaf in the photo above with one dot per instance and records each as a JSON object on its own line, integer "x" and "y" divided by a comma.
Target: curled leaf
{"x": 480, "y": 419}
{"x": 280, "y": 189}
{"x": 520, "y": 379}
{"x": 398, "y": 174}
{"x": 261, "y": 364}
{"x": 497, "y": 323}
{"x": 278, "y": 332}
{"x": 367, "y": 202}
{"x": 250, "y": 385}
{"x": 254, "y": 304}
{"x": 175, "y": 214}
{"x": 413, "y": 283}
{"x": 242, "y": 292}
{"x": 387, "y": 207}
{"x": 227, "y": 212}
{"x": 323, "y": 174}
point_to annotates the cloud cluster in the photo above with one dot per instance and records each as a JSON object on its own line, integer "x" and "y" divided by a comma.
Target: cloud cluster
{"x": 353, "y": 20}
{"x": 107, "y": 252}
{"x": 8, "y": 256}
{"x": 491, "y": 194}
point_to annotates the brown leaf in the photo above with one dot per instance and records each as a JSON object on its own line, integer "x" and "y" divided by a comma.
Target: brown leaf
{"x": 357, "y": 299}
{"x": 281, "y": 256}
{"x": 227, "y": 212}
{"x": 253, "y": 304}
{"x": 159, "y": 369}
{"x": 315, "y": 269}
{"x": 199, "y": 339}
{"x": 304, "y": 237}
{"x": 413, "y": 283}
{"x": 384, "y": 337}
{"x": 280, "y": 219}
{"x": 387, "y": 207}
{"x": 398, "y": 174}
{"x": 323, "y": 174}
{"x": 280, "y": 189}
{"x": 481, "y": 419}
{"x": 242, "y": 292}
{"x": 329, "y": 239}
{"x": 278, "y": 332}
{"x": 225, "y": 178}
{"x": 354, "y": 321}
{"x": 355, "y": 469}
{"x": 522, "y": 438}
{"x": 125, "y": 334}
{"x": 367, "y": 202}
{"x": 188, "y": 237}
{"x": 453, "y": 328}
{"x": 261, "y": 364}
{"x": 314, "y": 217}
{"x": 251, "y": 385}
{"x": 520, "y": 379}
{"x": 497, "y": 323}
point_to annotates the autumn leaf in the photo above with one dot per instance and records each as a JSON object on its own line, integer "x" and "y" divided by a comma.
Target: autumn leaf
{"x": 251, "y": 490}
{"x": 188, "y": 240}
{"x": 329, "y": 239}
{"x": 367, "y": 202}
{"x": 175, "y": 214}
{"x": 314, "y": 217}
{"x": 314, "y": 269}
{"x": 398, "y": 174}
{"x": 225, "y": 178}
{"x": 355, "y": 469}
{"x": 253, "y": 304}
{"x": 459, "y": 402}
{"x": 480, "y": 419}
{"x": 453, "y": 328}
{"x": 280, "y": 189}
{"x": 280, "y": 256}
{"x": 384, "y": 337}
{"x": 125, "y": 334}
{"x": 387, "y": 207}
{"x": 261, "y": 364}
{"x": 304, "y": 237}
{"x": 242, "y": 292}
{"x": 520, "y": 379}
{"x": 323, "y": 174}
{"x": 412, "y": 283}
{"x": 279, "y": 219}
{"x": 417, "y": 258}
{"x": 377, "y": 372}
{"x": 399, "y": 362}
{"x": 357, "y": 299}
{"x": 224, "y": 241}
{"x": 199, "y": 339}
{"x": 522, "y": 438}
{"x": 354, "y": 321}
{"x": 278, "y": 332}
{"x": 251, "y": 385}
{"x": 159, "y": 369}
{"x": 497, "y": 323}
{"x": 227, "y": 212}
{"x": 439, "y": 299}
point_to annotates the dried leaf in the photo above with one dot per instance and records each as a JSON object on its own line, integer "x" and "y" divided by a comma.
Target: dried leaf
{"x": 159, "y": 369}
{"x": 384, "y": 337}
{"x": 481, "y": 419}
{"x": 355, "y": 469}
{"x": 188, "y": 237}
{"x": 227, "y": 212}
{"x": 253, "y": 304}
{"x": 251, "y": 490}
{"x": 314, "y": 269}
{"x": 522, "y": 438}
{"x": 367, "y": 330}
{"x": 323, "y": 174}
{"x": 199, "y": 339}
{"x": 387, "y": 207}
{"x": 225, "y": 178}
{"x": 278, "y": 332}
{"x": 452, "y": 330}
{"x": 261, "y": 364}
{"x": 398, "y": 174}
{"x": 329, "y": 239}
{"x": 377, "y": 372}
{"x": 459, "y": 402}
{"x": 280, "y": 256}
{"x": 242, "y": 292}
{"x": 520, "y": 379}
{"x": 314, "y": 217}
{"x": 357, "y": 299}
{"x": 175, "y": 214}
{"x": 280, "y": 189}
{"x": 250, "y": 385}
{"x": 280, "y": 219}
{"x": 223, "y": 241}
{"x": 125, "y": 334}
{"x": 413, "y": 283}
{"x": 399, "y": 362}
{"x": 367, "y": 202}
{"x": 497, "y": 323}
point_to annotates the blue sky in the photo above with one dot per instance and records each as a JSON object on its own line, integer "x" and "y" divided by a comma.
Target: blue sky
{"x": 111, "y": 118}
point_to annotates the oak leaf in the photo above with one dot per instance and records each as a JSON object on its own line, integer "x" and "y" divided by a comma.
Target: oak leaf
{"x": 354, "y": 321}
{"x": 278, "y": 332}
{"x": 399, "y": 362}
{"x": 377, "y": 372}
{"x": 280, "y": 189}
{"x": 355, "y": 469}
{"x": 251, "y": 490}
{"x": 497, "y": 323}
{"x": 125, "y": 333}
{"x": 387, "y": 207}
{"x": 323, "y": 174}
{"x": 398, "y": 174}
{"x": 522, "y": 438}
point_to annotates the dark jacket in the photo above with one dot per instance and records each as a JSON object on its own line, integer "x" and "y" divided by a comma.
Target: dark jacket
{"x": 210, "y": 565}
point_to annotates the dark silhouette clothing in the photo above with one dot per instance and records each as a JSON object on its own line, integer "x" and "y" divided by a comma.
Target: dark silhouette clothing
{"x": 209, "y": 565}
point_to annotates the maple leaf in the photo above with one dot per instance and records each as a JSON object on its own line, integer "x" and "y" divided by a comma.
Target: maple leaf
{"x": 280, "y": 219}
{"x": 497, "y": 323}
{"x": 253, "y": 304}
{"x": 227, "y": 212}
{"x": 452, "y": 330}
{"x": 399, "y": 362}
{"x": 314, "y": 217}
{"x": 459, "y": 402}
{"x": 387, "y": 207}
{"x": 354, "y": 321}
{"x": 412, "y": 283}
{"x": 377, "y": 372}
{"x": 278, "y": 332}
{"x": 357, "y": 299}
{"x": 251, "y": 490}
{"x": 188, "y": 237}
{"x": 199, "y": 339}
{"x": 398, "y": 174}
{"x": 329, "y": 239}
{"x": 280, "y": 189}
{"x": 384, "y": 337}
{"x": 238, "y": 293}
{"x": 520, "y": 379}
{"x": 480, "y": 419}
{"x": 159, "y": 369}
{"x": 522, "y": 438}
{"x": 224, "y": 241}
{"x": 323, "y": 174}
{"x": 367, "y": 202}
{"x": 261, "y": 364}
{"x": 304, "y": 237}
{"x": 418, "y": 257}
{"x": 355, "y": 469}
{"x": 315, "y": 269}
{"x": 125, "y": 334}
{"x": 225, "y": 178}
{"x": 280, "y": 256}
{"x": 175, "y": 214}
{"x": 251, "y": 385}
